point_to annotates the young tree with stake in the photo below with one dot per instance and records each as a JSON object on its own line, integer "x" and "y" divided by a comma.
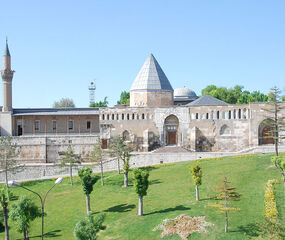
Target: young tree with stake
{"x": 88, "y": 179}
{"x": 197, "y": 177}
{"x": 97, "y": 156}
{"x": 120, "y": 150}
{"x": 141, "y": 185}
{"x": 226, "y": 194}
{"x": 23, "y": 213}
{"x": 71, "y": 160}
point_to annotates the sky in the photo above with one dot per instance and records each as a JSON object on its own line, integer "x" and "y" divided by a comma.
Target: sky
{"x": 59, "y": 46}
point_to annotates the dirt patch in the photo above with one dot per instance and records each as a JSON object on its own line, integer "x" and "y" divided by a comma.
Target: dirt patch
{"x": 183, "y": 225}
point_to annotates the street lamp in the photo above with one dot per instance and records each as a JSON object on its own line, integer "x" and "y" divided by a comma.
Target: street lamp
{"x": 16, "y": 184}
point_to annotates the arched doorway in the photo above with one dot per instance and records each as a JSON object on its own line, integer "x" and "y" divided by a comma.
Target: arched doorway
{"x": 126, "y": 135}
{"x": 265, "y": 132}
{"x": 171, "y": 129}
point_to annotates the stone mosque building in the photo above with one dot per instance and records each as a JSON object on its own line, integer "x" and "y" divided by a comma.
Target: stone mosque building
{"x": 157, "y": 116}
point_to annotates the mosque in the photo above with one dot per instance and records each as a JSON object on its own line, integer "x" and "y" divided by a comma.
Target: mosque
{"x": 157, "y": 116}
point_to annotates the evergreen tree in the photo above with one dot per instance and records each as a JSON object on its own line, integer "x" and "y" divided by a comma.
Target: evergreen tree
{"x": 226, "y": 195}
{"x": 141, "y": 185}
{"x": 88, "y": 179}
{"x": 197, "y": 177}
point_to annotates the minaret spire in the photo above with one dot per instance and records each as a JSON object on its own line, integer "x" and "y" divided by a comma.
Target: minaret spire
{"x": 7, "y": 77}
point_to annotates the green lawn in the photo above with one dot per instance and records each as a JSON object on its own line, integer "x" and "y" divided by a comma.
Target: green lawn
{"x": 171, "y": 193}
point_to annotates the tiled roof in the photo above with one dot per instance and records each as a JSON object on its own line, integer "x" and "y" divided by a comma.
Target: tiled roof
{"x": 207, "y": 100}
{"x": 151, "y": 77}
{"x": 56, "y": 111}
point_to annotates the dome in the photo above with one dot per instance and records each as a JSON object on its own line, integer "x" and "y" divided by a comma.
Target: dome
{"x": 184, "y": 92}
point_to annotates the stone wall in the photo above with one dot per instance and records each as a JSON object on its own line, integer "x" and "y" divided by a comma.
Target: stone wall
{"x": 45, "y": 149}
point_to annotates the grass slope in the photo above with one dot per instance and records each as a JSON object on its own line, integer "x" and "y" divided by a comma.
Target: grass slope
{"x": 171, "y": 193}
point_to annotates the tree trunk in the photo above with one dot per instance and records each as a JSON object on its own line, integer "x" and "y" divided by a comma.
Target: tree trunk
{"x": 197, "y": 193}
{"x": 226, "y": 214}
{"x": 6, "y": 222}
{"x": 126, "y": 179}
{"x": 70, "y": 172}
{"x": 102, "y": 177}
{"x": 6, "y": 171}
{"x": 226, "y": 226}
{"x": 119, "y": 166}
{"x": 26, "y": 235}
{"x": 88, "y": 203}
{"x": 140, "y": 210}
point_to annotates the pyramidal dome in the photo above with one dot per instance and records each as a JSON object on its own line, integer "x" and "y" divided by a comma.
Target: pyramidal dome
{"x": 151, "y": 77}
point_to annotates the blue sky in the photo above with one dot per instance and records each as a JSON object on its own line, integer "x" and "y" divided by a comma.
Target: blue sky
{"x": 59, "y": 46}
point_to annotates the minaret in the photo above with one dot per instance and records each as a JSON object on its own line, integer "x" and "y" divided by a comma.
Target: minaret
{"x": 7, "y": 77}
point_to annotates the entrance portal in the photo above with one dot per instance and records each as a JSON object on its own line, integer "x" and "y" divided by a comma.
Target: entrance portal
{"x": 171, "y": 129}
{"x": 265, "y": 133}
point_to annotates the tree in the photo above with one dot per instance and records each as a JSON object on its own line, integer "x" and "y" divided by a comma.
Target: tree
{"x": 8, "y": 154}
{"x": 280, "y": 164}
{"x": 197, "y": 177}
{"x": 120, "y": 150}
{"x": 88, "y": 179}
{"x": 141, "y": 185}
{"x": 100, "y": 103}
{"x": 124, "y": 98}
{"x": 97, "y": 156}
{"x": 226, "y": 194}
{"x": 4, "y": 200}
{"x": 87, "y": 228}
{"x": 283, "y": 98}
{"x": 71, "y": 160}
{"x": 275, "y": 120}
{"x": 64, "y": 103}
{"x": 23, "y": 213}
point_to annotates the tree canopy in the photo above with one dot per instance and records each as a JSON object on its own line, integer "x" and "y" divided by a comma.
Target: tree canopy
{"x": 64, "y": 103}
{"x": 100, "y": 103}
{"x": 124, "y": 98}
{"x": 236, "y": 95}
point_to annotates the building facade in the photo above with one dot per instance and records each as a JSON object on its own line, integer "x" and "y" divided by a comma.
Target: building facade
{"x": 157, "y": 116}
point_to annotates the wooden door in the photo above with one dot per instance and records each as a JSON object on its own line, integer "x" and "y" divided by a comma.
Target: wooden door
{"x": 171, "y": 138}
{"x": 266, "y": 133}
{"x": 104, "y": 143}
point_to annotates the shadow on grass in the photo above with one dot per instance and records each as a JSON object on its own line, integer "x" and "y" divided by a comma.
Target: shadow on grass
{"x": 149, "y": 168}
{"x": 209, "y": 198}
{"x": 32, "y": 183}
{"x": 51, "y": 234}
{"x": 251, "y": 229}
{"x": 121, "y": 208}
{"x": 155, "y": 181}
{"x": 177, "y": 208}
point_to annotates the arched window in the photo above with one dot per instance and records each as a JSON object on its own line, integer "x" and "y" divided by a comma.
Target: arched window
{"x": 239, "y": 113}
{"x": 133, "y": 116}
{"x": 113, "y": 116}
{"x": 225, "y": 130}
{"x": 103, "y": 117}
{"x": 230, "y": 114}
{"x": 107, "y": 116}
{"x": 218, "y": 114}
{"x": 234, "y": 114}
{"x": 128, "y": 116}
{"x": 126, "y": 136}
{"x": 117, "y": 116}
{"x": 207, "y": 115}
{"x": 123, "y": 116}
{"x": 197, "y": 116}
{"x": 143, "y": 116}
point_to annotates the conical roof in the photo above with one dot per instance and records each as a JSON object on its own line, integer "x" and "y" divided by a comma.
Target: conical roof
{"x": 7, "y": 52}
{"x": 207, "y": 100}
{"x": 151, "y": 77}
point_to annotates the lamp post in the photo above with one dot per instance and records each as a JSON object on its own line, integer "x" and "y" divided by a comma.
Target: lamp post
{"x": 58, "y": 181}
